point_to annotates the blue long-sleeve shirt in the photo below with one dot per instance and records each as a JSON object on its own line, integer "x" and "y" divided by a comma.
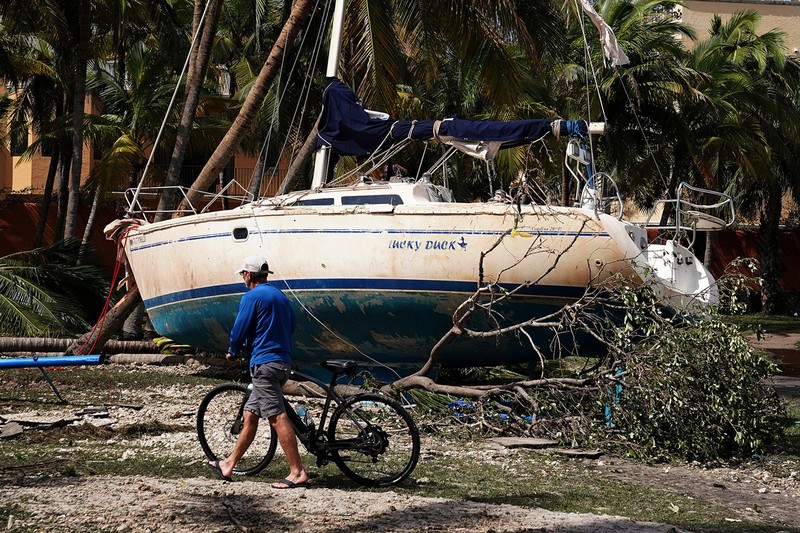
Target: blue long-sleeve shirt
{"x": 265, "y": 323}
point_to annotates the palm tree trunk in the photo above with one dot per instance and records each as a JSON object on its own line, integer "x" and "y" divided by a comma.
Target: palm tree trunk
{"x": 64, "y": 163}
{"x": 52, "y": 344}
{"x": 708, "y": 255}
{"x": 678, "y": 169}
{"x": 79, "y": 97}
{"x": 297, "y": 170}
{"x": 113, "y": 320}
{"x": 194, "y": 83}
{"x": 132, "y": 328}
{"x": 87, "y": 233}
{"x": 769, "y": 230}
{"x": 230, "y": 143}
{"x": 121, "y": 55}
{"x": 258, "y": 175}
{"x": 47, "y": 199}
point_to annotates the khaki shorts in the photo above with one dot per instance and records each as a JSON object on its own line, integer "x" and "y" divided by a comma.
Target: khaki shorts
{"x": 266, "y": 399}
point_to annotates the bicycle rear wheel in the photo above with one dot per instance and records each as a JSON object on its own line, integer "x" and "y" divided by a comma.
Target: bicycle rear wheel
{"x": 219, "y": 422}
{"x": 385, "y": 440}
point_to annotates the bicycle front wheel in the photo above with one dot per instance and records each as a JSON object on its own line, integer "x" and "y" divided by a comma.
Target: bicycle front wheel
{"x": 219, "y": 423}
{"x": 381, "y": 440}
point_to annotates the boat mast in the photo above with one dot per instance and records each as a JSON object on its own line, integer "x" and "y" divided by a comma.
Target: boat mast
{"x": 323, "y": 153}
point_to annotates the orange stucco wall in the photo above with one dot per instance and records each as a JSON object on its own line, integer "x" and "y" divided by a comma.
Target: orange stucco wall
{"x": 30, "y": 176}
{"x": 784, "y": 16}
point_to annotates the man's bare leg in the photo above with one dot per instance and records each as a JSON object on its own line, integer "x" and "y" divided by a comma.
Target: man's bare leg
{"x": 243, "y": 442}
{"x": 288, "y": 440}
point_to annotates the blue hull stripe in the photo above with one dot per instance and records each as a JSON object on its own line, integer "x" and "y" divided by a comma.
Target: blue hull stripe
{"x": 411, "y": 285}
{"x": 135, "y": 248}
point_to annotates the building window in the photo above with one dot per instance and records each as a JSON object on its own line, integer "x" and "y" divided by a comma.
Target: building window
{"x": 19, "y": 143}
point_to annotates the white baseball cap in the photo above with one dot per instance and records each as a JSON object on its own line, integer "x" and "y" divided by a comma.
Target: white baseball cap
{"x": 255, "y": 264}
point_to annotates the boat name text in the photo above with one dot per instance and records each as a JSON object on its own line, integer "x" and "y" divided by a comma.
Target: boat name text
{"x": 428, "y": 245}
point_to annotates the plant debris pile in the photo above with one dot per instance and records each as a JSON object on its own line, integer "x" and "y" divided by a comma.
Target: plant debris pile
{"x": 696, "y": 391}
{"x": 671, "y": 386}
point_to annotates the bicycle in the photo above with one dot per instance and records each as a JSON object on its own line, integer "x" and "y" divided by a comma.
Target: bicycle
{"x": 371, "y": 438}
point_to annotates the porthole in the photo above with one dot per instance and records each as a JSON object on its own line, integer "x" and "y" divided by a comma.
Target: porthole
{"x": 240, "y": 234}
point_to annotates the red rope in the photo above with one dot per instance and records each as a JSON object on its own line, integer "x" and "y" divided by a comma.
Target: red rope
{"x": 102, "y": 318}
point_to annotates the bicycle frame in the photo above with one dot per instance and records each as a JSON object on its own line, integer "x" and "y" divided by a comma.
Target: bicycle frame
{"x": 313, "y": 438}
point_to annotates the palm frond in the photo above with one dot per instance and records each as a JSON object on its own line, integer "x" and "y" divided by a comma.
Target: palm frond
{"x": 44, "y": 291}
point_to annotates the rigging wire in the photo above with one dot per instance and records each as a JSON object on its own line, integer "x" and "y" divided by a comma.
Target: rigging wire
{"x": 308, "y": 311}
{"x": 650, "y": 150}
{"x": 376, "y": 161}
{"x": 317, "y": 50}
{"x": 628, "y": 98}
{"x": 589, "y": 67}
{"x": 169, "y": 108}
{"x": 295, "y": 296}
{"x": 329, "y": 330}
{"x": 102, "y": 318}
{"x": 305, "y": 88}
{"x": 421, "y": 160}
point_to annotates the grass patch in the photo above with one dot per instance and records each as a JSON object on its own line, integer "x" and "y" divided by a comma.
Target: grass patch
{"x": 538, "y": 481}
{"x": 452, "y": 469}
{"x": 68, "y": 434}
{"x": 97, "y": 385}
{"x": 89, "y": 432}
{"x": 534, "y": 480}
{"x": 85, "y": 450}
{"x": 523, "y": 479}
{"x": 153, "y": 427}
{"x": 564, "y": 485}
{"x": 791, "y": 444}
{"x": 765, "y": 323}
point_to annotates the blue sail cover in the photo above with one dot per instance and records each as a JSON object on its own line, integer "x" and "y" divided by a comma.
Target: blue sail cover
{"x": 350, "y": 130}
{"x": 510, "y": 133}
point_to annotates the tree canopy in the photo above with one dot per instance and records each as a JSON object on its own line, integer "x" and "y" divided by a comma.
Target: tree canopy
{"x": 716, "y": 106}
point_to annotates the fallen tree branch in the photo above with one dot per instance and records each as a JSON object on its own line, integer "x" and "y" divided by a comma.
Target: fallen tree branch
{"x": 9, "y": 345}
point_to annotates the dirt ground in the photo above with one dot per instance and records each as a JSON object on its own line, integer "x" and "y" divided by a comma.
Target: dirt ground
{"x": 195, "y": 504}
{"x": 119, "y": 503}
{"x": 200, "y": 502}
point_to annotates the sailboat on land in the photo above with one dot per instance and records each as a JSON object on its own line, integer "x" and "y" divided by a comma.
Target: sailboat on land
{"x": 379, "y": 266}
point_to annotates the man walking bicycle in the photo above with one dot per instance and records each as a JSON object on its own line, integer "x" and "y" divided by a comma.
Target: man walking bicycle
{"x": 265, "y": 323}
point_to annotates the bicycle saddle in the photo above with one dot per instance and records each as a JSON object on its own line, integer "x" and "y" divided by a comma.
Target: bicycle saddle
{"x": 340, "y": 366}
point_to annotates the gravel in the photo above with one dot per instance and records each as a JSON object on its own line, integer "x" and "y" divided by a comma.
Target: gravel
{"x": 39, "y": 502}
{"x": 193, "y": 504}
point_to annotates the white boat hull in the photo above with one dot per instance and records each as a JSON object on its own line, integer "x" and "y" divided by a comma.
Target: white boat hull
{"x": 378, "y": 280}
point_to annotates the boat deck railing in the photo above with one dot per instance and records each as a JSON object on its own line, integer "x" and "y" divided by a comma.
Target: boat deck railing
{"x": 694, "y": 209}
{"x": 145, "y": 200}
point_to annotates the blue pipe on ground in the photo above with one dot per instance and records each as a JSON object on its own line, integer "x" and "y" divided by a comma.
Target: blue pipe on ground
{"x": 39, "y": 362}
